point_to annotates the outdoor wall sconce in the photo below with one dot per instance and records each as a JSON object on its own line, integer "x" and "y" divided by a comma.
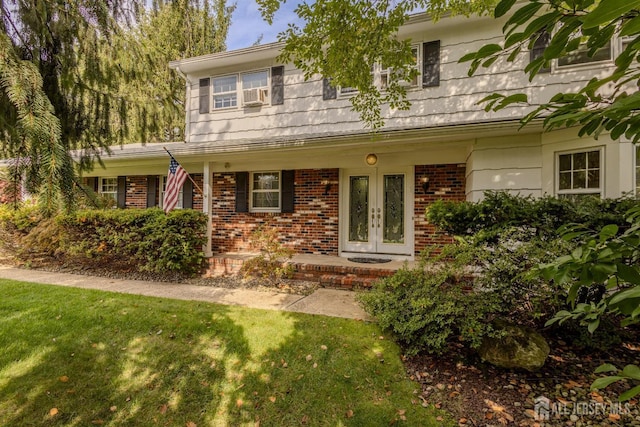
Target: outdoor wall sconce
{"x": 425, "y": 183}
{"x": 371, "y": 159}
{"x": 327, "y": 187}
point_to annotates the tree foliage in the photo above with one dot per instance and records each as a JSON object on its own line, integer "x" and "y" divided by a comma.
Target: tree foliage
{"x": 608, "y": 103}
{"x": 82, "y": 76}
{"x": 343, "y": 39}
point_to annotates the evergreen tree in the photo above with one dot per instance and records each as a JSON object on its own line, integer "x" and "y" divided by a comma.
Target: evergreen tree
{"x": 81, "y": 76}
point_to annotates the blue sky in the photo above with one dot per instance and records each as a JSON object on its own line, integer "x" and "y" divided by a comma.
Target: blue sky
{"x": 247, "y": 24}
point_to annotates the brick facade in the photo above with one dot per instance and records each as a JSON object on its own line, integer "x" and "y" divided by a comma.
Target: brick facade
{"x": 446, "y": 182}
{"x": 136, "y": 192}
{"x": 312, "y": 228}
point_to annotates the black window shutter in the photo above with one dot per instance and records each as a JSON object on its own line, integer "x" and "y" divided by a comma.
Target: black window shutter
{"x": 152, "y": 190}
{"x": 187, "y": 194}
{"x": 277, "y": 85}
{"x": 122, "y": 192}
{"x": 204, "y": 96}
{"x": 541, "y": 42}
{"x": 328, "y": 91}
{"x": 288, "y": 191}
{"x": 92, "y": 183}
{"x": 431, "y": 64}
{"x": 242, "y": 191}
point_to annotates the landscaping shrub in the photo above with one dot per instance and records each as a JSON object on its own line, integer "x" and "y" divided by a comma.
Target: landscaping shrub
{"x": 272, "y": 262}
{"x": 426, "y": 308}
{"x": 145, "y": 240}
{"x": 501, "y": 240}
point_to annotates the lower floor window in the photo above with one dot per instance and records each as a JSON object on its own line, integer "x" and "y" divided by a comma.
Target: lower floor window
{"x": 109, "y": 187}
{"x": 163, "y": 188}
{"x": 579, "y": 173}
{"x": 265, "y": 192}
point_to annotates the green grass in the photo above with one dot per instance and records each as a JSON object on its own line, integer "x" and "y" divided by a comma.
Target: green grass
{"x": 78, "y": 358}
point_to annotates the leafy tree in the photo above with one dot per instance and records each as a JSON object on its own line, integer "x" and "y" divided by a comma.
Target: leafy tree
{"x": 609, "y": 103}
{"x": 343, "y": 39}
{"x": 84, "y": 75}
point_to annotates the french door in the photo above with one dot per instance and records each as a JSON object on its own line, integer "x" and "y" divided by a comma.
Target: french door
{"x": 376, "y": 211}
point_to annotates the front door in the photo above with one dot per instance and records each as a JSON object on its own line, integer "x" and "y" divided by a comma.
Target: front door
{"x": 376, "y": 212}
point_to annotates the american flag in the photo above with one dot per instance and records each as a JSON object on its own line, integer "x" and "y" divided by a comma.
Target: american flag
{"x": 175, "y": 178}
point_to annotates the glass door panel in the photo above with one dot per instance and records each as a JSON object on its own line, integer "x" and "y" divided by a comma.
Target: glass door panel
{"x": 393, "y": 209}
{"x": 358, "y": 208}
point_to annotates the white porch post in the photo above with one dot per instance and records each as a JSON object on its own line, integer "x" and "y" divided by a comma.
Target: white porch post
{"x": 206, "y": 205}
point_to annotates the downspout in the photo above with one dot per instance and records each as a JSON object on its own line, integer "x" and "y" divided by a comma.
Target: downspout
{"x": 187, "y": 102}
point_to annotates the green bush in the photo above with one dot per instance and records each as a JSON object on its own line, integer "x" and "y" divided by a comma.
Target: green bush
{"x": 145, "y": 240}
{"x": 487, "y": 219}
{"x": 502, "y": 239}
{"x": 272, "y": 262}
{"x": 427, "y": 308}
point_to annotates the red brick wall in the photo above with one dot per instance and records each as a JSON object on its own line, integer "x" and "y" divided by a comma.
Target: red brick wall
{"x": 446, "y": 182}
{"x": 197, "y": 195}
{"x": 312, "y": 228}
{"x": 136, "y": 192}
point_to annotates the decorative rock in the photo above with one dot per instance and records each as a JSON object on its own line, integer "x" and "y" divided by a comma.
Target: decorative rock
{"x": 520, "y": 348}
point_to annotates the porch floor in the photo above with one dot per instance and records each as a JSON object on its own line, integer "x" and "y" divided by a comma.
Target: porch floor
{"x": 329, "y": 271}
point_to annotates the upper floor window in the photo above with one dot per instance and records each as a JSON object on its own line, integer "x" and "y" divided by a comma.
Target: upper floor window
{"x": 247, "y": 89}
{"x": 577, "y": 57}
{"x": 109, "y": 187}
{"x": 225, "y": 92}
{"x": 579, "y": 173}
{"x": 265, "y": 192}
{"x": 426, "y": 63}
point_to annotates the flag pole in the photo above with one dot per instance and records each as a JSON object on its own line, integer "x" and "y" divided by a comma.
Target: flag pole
{"x": 188, "y": 175}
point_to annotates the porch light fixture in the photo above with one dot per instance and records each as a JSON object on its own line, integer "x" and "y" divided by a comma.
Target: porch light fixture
{"x": 327, "y": 187}
{"x": 371, "y": 159}
{"x": 425, "y": 183}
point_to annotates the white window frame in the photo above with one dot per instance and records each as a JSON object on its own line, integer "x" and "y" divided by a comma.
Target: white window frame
{"x": 252, "y": 190}
{"x": 382, "y": 75}
{"x": 230, "y": 92}
{"x": 239, "y": 89}
{"x": 163, "y": 188}
{"x": 599, "y": 191}
{"x": 113, "y": 191}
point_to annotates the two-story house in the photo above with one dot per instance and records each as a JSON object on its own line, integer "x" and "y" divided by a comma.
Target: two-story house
{"x": 269, "y": 147}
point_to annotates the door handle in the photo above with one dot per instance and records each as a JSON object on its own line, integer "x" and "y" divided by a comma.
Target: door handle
{"x": 379, "y": 217}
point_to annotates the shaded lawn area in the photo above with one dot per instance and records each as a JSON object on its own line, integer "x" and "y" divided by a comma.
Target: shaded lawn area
{"x": 79, "y": 357}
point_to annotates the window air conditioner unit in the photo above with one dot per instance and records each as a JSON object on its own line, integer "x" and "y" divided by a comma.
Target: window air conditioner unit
{"x": 254, "y": 96}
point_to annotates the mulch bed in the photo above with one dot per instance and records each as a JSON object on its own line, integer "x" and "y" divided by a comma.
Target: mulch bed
{"x": 478, "y": 394}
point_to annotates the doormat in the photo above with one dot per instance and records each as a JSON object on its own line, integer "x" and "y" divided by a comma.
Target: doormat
{"x": 370, "y": 260}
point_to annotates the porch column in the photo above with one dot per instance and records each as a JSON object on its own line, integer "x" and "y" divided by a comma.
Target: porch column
{"x": 206, "y": 205}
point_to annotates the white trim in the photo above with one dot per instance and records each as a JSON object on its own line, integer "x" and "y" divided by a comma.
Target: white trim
{"x": 600, "y": 190}
{"x": 253, "y": 209}
{"x": 112, "y": 194}
{"x": 239, "y": 90}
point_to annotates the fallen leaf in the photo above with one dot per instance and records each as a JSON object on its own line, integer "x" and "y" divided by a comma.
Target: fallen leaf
{"x": 489, "y": 415}
{"x": 191, "y": 424}
{"x": 462, "y": 420}
{"x": 305, "y": 419}
{"x": 349, "y": 413}
{"x": 272, "y": 399}
{"x": 163, "y": 409}
{"x": 113, "y": 408}
{"x": 97, "y": 422}
{"x": 494, "y": 406}
{"x": 239, "y": 403}
{"x": 324, "y": 347}
{"x": 315, "y": 365}
{"x": 64, "y": 379}
{"x": 309, "y": 357}
{"x": 53, "y": 412}
{"x": 614, "y": 417}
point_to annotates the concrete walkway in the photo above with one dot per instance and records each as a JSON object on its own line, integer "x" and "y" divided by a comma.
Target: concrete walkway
{"x": 327, "y": 302}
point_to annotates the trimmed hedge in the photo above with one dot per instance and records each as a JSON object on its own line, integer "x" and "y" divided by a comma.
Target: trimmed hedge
{"x": 147, "y": 240}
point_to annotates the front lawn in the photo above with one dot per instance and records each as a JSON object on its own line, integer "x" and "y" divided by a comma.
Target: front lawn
{"x": 78, "y": 357}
